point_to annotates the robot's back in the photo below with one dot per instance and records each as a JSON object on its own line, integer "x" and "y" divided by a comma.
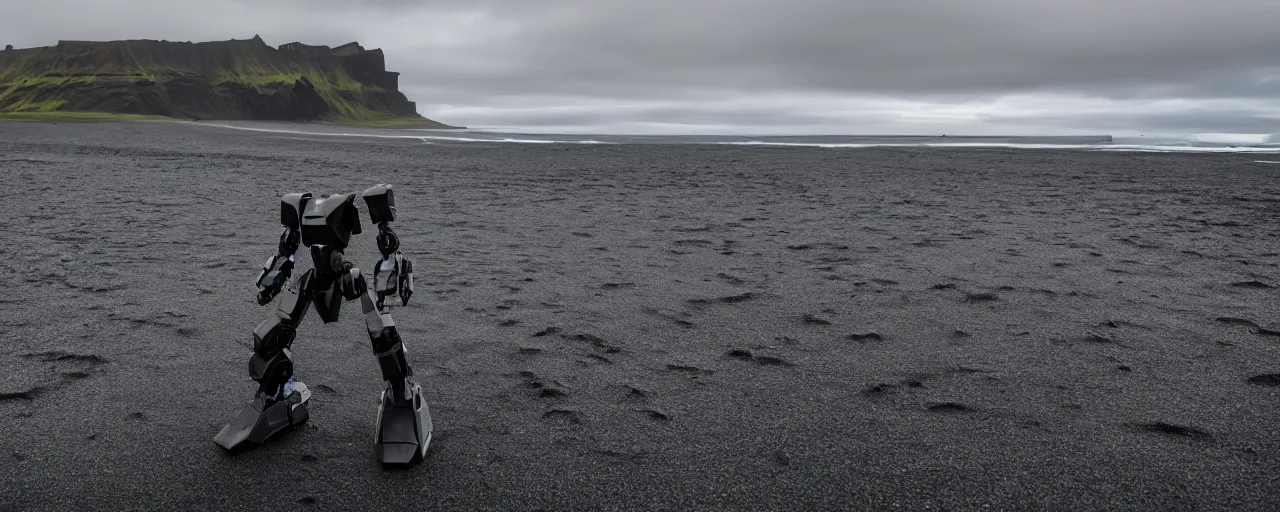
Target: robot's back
{"x": 326, "y": 221}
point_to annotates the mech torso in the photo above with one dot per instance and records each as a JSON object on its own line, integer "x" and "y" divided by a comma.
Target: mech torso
{"x": 327, "y": 221}
{"x": 326, "y": 225}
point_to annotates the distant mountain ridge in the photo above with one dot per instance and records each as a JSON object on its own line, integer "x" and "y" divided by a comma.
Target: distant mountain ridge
{"x": 230, "y": 80}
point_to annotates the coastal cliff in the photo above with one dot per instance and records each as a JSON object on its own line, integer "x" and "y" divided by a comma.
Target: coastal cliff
{"x": 231, "y": 80}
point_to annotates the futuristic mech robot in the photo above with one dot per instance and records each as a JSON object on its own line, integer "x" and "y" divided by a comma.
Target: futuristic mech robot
{"x": 325, "y": 225}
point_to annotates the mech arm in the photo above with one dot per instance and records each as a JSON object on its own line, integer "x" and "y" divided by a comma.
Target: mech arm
{"x": 393, "y": 274}
{"x": 404, "y": 421}
{"x": 276, "y": 272}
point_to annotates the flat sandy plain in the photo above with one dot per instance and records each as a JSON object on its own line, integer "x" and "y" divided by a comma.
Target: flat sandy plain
{"x": 651, "y": 326}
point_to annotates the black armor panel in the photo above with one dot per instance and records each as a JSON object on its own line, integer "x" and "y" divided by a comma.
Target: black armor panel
{"x": 270, "y": 372}
{"x": 330, "y": 221}
{"x": 328, "y": 302}
{"x": 324, "y": 287}
{"x": 291, "y": 208}
{"x": 381, "y": 202}
{"x": 270, "y": 365}
{"x": 328, "y": 262}
{"x": 352, "y": 284}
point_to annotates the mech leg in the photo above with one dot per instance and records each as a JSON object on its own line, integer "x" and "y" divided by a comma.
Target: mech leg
{"x": 404, "y": 421}
{"x": 272, "y": 409}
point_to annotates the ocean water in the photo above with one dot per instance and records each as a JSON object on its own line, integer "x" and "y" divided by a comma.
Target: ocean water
{"x": 1086, "y": 143}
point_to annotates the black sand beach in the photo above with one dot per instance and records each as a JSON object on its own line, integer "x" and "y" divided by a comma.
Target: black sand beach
{"x": 651, "y": 326}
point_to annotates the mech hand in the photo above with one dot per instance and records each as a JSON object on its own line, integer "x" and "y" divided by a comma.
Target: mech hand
{"x": 352, "y": 284}
{"x": 275, "y": 273}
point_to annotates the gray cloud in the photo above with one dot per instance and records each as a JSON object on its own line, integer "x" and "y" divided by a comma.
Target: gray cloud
{"x": 847, "y": 65}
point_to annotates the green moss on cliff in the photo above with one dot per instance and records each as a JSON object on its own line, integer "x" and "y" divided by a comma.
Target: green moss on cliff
{"x": 239, "y": 79}
{"x": 396, "y": 122}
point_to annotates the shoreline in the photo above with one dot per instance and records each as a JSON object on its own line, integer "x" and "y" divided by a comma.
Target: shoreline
{"x": 423, "y": 132}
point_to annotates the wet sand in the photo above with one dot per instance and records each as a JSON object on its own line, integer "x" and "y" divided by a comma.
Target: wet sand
{"x": 651, "y": 326}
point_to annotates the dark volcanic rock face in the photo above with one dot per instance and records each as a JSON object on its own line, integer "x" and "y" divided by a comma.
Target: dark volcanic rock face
{"x": 243, "y": 79}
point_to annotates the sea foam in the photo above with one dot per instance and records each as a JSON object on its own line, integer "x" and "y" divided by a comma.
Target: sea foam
{"x": 1151, "y": 145}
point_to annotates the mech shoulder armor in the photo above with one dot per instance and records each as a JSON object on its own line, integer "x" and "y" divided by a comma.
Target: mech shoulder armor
{"x": 291, "y": 208}
{"x": 381, "y": 202}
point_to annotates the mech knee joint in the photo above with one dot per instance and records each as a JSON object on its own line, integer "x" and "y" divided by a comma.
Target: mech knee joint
{"x": 269, "y": 365}
{"x": 389, "y": 350}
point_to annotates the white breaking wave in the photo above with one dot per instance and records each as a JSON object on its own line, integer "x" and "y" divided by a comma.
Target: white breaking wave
{"x": 303, "y": 132}
{"x": 1016, "y": 145}
{"x": 515, "y": 141}
{"x": 1162, "y": 146}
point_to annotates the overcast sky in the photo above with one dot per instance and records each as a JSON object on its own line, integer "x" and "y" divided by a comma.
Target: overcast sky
{"x": 1122, "y": 67}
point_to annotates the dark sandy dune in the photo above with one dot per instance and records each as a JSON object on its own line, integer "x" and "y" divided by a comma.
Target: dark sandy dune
{"x": 651, "y": 327}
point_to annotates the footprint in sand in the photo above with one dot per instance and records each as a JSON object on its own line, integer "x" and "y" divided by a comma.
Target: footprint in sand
{"x": 746, "y": 355}
{"x": 884, "y": 388}
{"x": 689, "y": 369}
{"x": 540, "y": 387}
{"x": 810, "y": 318}
{"x": 1230, "y": 320}
{"x": 547, "y": 332}
{"x": 594, "y": 340}
{"x": 670, "y": 315}
{"x": 732, "y": 299}
{"x": 975, "y": 298}
{"x": 26, "y": 394}
{"x": 1270, "y": 379}
{"x": 949, "y": 407}
{"x": 71, "y": 367}
{"x": 867, "y": 336}
{"x": 636, "y": 393}
{"x": 1170, "y": 429}
{"x": 564, "y": 413}
{"x": 655, "y": 413}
